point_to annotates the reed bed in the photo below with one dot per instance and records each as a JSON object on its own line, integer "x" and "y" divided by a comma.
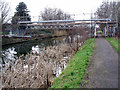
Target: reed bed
{"x": 37, "y": 70}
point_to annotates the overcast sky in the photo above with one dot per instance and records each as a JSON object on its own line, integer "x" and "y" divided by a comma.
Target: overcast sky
{"x": 77, "y": 7}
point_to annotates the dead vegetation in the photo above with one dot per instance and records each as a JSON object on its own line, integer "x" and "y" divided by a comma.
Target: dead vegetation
{"x": 37, "y": 70}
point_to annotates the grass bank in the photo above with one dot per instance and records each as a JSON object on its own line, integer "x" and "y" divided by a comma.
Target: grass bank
{"x": 115, "y": 43}
{"x": 72, "y": 76}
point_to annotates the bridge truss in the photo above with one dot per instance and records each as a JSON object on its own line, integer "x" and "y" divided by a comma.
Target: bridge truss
{"x": 109, "y": 25}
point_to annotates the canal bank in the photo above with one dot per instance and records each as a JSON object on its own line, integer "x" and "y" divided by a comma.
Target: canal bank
{"x": 115, "y": 43}
{"x": 17, "y": 40}
{"x": 9, "y": 39}
{"x": 73, "y": 74}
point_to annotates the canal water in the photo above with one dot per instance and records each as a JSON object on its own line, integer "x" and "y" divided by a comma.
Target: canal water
{"x": 12, "y": 52}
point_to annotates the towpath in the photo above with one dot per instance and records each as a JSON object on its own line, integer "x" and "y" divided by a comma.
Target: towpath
{"x": 103, "y": 70}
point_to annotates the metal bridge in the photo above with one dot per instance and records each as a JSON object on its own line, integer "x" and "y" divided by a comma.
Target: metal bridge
{"x": 109, "y": 25}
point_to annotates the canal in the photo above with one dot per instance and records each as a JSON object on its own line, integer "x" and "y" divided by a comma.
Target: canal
{"x": 38, "y": 61}
{"x": 12, "y": 52}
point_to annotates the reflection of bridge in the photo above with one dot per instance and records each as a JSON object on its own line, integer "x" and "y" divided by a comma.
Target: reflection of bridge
{"x": 109, "y": 26}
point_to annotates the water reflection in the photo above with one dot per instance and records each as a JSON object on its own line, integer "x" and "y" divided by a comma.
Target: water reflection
{"x": 9, "y": 54}
{"x": 35, "y": 49}
{"x": 12, "y": 52}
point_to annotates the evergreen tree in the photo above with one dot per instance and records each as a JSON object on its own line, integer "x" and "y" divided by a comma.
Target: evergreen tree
{"x": 21, "y": 14}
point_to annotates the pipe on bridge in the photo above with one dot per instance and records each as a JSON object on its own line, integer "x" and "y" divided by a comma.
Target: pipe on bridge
{"x": 58, "y": 21}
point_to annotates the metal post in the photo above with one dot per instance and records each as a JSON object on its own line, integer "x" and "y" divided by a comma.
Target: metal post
{"x": 95, "y": 29}
{"x": 91, "y": 26}
{"x": 18, "y": 32}
{"x": 110, "y": 31}
{"x": 107, "y": 30}
{"x": 114, "y": 31}
{"x": 91, "y": 29}
{"x": 117, "y": 23}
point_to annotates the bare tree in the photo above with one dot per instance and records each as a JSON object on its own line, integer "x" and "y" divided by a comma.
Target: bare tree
{"x": 54, "y": 14}
{"x": 119, "y": 14}
{"x": 108, "y": 10}
{"x": 4, "y": 11}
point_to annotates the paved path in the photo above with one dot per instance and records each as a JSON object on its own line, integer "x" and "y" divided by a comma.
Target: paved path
{"x": 104, "y": 68}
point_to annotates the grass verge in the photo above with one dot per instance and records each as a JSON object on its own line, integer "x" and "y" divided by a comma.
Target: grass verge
{"x": 115, "y": 43}
{"x": 72, "y": 76}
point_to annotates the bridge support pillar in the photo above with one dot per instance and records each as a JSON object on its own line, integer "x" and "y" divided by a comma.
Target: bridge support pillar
{"x": 107, "y": 30}
{"x": 18, "y": 31}
{"x": 114, "y": 31}
{"x": 95, "y": 31}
